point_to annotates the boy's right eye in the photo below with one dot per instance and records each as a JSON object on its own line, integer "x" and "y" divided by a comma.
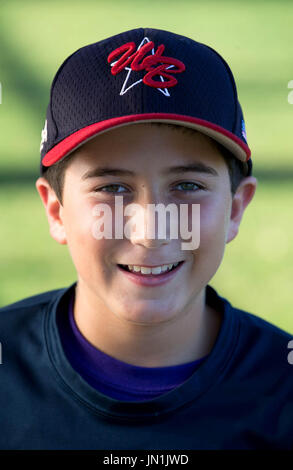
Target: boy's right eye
{"x": 104, "y": 188}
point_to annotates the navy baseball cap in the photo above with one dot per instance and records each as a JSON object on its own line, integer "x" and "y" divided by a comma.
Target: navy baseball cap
{"x": 142, "y": 75}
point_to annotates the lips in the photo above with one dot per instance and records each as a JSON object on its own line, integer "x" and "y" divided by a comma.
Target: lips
{"x": 151, "y": 280}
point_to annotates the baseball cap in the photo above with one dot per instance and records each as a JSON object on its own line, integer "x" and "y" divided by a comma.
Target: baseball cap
{"x": 142, "y": 75}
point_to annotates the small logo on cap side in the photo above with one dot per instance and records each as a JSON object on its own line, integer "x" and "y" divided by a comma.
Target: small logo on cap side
{"x": 44, "y": 135}
{"x": 243, "y": 131}
{"x": 132, "y": 57}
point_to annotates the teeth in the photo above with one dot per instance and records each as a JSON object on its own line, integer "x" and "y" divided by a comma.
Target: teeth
{"x": 156, "y": 270}
{"x": 145, "y": 270}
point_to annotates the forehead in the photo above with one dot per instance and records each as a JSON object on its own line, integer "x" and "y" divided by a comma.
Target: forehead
{"x": 146, "y": 147}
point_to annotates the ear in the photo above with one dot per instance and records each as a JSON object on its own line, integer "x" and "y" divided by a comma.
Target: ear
{"x": 54, "y": 210}
{"x": 240, "y": 201}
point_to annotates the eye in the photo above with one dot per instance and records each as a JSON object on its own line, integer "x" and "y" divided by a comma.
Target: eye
{"x": 105, "y": 188}
{"x": 190, "y": 184}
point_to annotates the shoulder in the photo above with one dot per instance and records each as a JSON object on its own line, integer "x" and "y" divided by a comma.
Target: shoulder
{"x": 22, "y": 327}
{"x": 263, "y": 353}
{"x": 249, "y": 322}
{"x": 261, "y": 347}
{"x": 25, "y": 309}
{"x": 261, "y": 328}
{"x": 31, "y": 301}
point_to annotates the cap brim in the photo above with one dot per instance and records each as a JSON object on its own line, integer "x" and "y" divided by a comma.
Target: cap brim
{"x": 78, "y": 138}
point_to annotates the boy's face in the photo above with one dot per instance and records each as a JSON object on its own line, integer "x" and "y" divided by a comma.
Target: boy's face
{"x": 147, "y": 151}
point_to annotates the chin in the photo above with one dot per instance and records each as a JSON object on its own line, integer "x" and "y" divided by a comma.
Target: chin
{"x": 148, "y": 314}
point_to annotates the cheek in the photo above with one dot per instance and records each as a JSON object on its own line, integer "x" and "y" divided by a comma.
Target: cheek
{"x": 81, "y": 222}
{"x": 77, "y": 222}
{"x": 206, "y": 259}
{"x": 214, "y": 220}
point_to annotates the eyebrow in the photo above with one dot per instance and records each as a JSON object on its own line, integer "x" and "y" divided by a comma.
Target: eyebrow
{"x": 195, "y": 167}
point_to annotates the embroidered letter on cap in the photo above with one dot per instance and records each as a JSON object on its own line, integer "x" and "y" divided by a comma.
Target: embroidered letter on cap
{"x": 155, "y": 64}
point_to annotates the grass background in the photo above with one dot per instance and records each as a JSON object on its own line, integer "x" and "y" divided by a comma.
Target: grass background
{"x": 254, "y": 37}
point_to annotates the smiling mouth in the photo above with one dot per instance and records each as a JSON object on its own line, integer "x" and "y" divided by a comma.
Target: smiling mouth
{"x": 125, "y": 268}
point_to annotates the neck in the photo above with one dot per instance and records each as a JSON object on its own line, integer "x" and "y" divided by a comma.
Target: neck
{"x": 188, "y": 336}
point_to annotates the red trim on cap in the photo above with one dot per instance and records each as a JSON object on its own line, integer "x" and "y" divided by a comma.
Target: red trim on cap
{"x": 75, "y": 139}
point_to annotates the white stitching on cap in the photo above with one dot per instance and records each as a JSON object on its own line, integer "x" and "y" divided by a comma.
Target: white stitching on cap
{"x": 123, "y": 90}
{"x": 44, "y": 135}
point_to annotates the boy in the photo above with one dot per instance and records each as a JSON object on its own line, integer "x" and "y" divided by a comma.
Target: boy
{"x": 140, "y": 352}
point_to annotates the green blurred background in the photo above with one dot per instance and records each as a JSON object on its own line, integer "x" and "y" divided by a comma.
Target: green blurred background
{"x": 254, "y": 37}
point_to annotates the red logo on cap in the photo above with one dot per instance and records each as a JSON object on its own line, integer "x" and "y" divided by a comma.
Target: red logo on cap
{"x": 150, "y": 63}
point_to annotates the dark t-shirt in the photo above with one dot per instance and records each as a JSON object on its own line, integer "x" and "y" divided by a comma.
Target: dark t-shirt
{"x": 239, "y": 397}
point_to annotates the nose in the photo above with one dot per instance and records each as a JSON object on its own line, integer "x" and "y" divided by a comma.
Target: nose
{"x": 149, "y": 243}
{"x": 150, "y": 224}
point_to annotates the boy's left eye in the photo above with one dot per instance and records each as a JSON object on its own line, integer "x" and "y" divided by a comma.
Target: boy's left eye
{"x": 190, "y": 183}
{"x": 105, "y": 188}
